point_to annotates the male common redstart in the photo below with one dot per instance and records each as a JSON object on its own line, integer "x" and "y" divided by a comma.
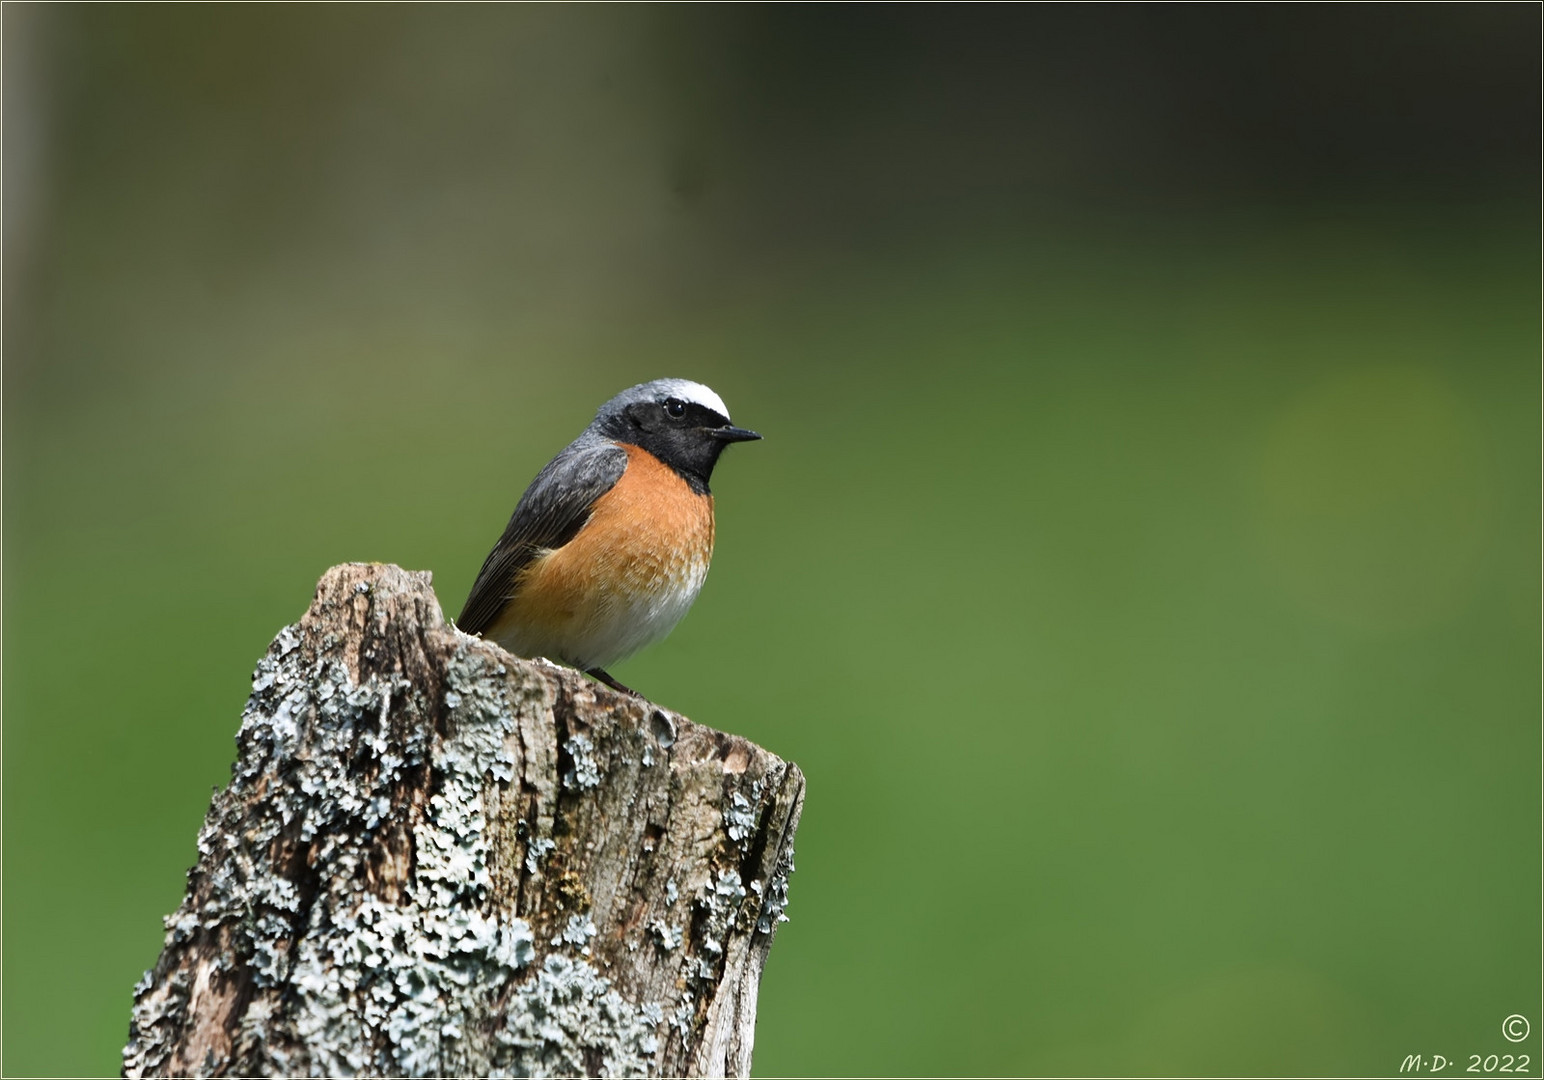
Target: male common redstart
{"x": 610, "y": 544}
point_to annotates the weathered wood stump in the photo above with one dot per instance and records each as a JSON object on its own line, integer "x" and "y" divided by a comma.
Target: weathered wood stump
{"x": 434, "y": 858}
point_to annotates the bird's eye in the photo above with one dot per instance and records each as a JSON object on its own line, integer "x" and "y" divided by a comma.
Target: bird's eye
{"x": 675, "y": 408}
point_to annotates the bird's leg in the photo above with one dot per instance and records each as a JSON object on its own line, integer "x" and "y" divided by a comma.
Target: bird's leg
{"x": 597, "y": 673}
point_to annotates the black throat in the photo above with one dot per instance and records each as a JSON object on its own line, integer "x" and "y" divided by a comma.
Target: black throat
{"x": 685, "y": 444}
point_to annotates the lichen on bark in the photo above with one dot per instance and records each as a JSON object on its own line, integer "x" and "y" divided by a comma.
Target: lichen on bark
{"x": 434, "y": 858}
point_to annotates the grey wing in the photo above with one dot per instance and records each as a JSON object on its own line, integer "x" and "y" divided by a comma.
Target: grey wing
{"x": 552, "y": 510}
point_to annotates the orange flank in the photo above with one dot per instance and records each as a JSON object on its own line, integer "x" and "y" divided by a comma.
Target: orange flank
{"x": 644, "y": 550}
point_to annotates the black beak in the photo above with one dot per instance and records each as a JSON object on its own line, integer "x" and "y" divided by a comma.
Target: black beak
{"x": 729, "y": 434}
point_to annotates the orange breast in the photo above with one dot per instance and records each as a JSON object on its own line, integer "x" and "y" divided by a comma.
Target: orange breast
{"x": 624, "y": 580}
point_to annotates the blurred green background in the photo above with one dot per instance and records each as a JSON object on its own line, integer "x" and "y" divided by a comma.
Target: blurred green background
{"x": 1142, "y": 561}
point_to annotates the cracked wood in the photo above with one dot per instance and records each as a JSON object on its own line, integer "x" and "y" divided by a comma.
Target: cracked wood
{"x": 434, "y": 858}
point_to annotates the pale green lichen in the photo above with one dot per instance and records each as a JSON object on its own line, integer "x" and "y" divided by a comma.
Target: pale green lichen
{"x": 355, "y": 969}
{"x": 538, "y": 850}
{"x": 566, "y": 1009}
{"x": 774, "y": 903}
{"x": 665, "y": 935}
{"x": 578, "y": 933}
{"x": 586, "y": 771}
{"x": 404, "y": 987}
{"x": 740, "y": 818}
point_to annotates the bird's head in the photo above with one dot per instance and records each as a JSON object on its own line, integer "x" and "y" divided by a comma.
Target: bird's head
{"x": 683, "y": 423}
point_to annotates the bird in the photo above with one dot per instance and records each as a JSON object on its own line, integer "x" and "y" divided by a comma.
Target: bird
{"x": 609, "y": 546}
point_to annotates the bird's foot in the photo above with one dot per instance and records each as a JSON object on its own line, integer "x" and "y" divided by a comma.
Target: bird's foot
{"x": 597, "y": 673}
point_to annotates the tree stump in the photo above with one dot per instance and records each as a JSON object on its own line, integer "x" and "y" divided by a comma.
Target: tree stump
{"x": 434, "y": 858}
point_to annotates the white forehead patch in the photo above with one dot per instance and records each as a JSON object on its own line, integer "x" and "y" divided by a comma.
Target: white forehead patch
{"x": 695, "y": 392}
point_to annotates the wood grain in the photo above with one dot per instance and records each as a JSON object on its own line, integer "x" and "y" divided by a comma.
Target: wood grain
{"x": 434, "y": 858}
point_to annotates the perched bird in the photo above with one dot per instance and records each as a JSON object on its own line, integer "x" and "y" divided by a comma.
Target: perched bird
{"x": 610, "y": 544}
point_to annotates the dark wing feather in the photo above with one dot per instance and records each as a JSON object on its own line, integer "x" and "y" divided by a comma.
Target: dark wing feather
{"x": 552, "y": 510}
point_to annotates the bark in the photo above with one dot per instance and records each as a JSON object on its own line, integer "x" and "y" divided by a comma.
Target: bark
{"x": 434, "y": 858}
